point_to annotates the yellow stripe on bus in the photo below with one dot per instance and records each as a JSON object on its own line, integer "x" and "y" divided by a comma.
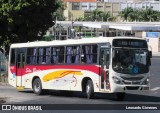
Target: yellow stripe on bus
{"x": 60, "y": 74}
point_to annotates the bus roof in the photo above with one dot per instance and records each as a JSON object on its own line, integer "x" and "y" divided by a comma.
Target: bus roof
{"x": 70, "y": 42}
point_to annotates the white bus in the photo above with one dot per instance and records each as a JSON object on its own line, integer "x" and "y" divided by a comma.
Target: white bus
{"x": 104, "y": 65}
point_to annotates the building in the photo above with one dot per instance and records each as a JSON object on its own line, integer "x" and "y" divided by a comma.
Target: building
{"x": 112, "y": 1}
{"x": 131, "y": 1}
{"x": 79, "y": 8}
{"x": 154, "y": 6}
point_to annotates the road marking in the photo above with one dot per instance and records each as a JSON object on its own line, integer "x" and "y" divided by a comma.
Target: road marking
{"x": 155, "y": 89}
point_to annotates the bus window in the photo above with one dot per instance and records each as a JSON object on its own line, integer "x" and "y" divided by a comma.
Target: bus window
{"x": 31, "y": 56}
{"x": 54, "y": 56}
{"x": 48, "y": 55}
{"x": 73, "y": 54}
{"x": 89, "y": 54}
{"x": 57, "y": 55}
{"x": 77, "y": 55}
{"x": 40, "y": 55}
{"x": 12, "y": 56}
{"x": 43, "y": 56}
{"x": 69, "y": 55}
{"x": 60, "y": 54}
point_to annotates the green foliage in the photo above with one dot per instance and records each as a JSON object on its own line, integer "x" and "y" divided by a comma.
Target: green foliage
{"x": 48, "y": 38}
{"x": 59, "y": 13}
{"x": 97, "y": 15}
{"x": 25, "y": 20}
{"x": 147, "y": 14}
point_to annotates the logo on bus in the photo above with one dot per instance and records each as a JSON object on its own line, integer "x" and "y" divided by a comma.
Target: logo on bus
{"x": 30, "y": 70}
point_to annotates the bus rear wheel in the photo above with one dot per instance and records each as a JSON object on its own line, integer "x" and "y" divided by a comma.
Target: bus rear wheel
{"x": 37, "y": 86}
{"x": 120, "y": 96}
{"x": 89, "y": 89}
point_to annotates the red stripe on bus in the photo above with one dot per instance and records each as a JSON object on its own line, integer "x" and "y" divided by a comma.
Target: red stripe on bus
{"x": 33, "y": 68}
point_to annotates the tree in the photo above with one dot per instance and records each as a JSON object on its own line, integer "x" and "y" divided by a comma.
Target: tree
{"x": 106, "y": 16}
{"x": 124, "y": 14}
{"x": 25, "y": 20}
{"x": 97, "y": 15}
{"x": 59, "y": 13}
{"x": 150, "y": 15}
{"x": 147, "y": 14}
{"x": 134, "y": 15}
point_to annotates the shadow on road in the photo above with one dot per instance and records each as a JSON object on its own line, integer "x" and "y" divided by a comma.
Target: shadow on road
{"x": 129, "y": 98}
{"x": 111, "y": 97}
{"x": 2, "y": 100}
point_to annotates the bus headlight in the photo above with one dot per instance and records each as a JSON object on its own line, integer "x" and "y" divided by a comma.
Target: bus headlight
{"x": 146, "y": 81}
{"x": 116, "y": 80}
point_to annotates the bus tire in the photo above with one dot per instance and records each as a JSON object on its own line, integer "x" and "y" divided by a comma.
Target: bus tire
{"x": 37, "y": 86}
{"x": 89, "y": 89}
{"x": 120, "y": 96}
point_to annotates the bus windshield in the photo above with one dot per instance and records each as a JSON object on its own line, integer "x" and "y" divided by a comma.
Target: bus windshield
{"x": 130, "y": 61}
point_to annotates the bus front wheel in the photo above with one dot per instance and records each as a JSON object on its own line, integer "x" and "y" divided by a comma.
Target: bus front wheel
{"x": 37, "y": 86}
{"x": 89, "y": 89}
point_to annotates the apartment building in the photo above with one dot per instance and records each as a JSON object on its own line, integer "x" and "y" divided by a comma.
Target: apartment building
{"x": 79, "y": 8}
{"x": 131, "y": 1}
{"x": 141, "y": 5}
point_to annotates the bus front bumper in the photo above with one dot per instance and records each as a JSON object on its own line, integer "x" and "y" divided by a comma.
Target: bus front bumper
{"x": 124, "y": 88}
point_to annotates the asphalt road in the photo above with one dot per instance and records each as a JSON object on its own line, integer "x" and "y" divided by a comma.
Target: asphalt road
{"x": 10, "y": 95}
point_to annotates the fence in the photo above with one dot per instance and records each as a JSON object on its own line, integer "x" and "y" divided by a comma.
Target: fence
{"x": 3, "y": 68}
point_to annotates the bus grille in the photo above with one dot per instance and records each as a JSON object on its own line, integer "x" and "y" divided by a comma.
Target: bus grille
{"x": 132, "y": 78}
{"x": 132, "y": 88}
{"x": 131, "y": 82}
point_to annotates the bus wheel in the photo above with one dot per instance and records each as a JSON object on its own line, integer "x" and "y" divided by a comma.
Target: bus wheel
{"x": 89, "y": 89}
{"x": 120, "y": 96}
{"x": 37, "y": 86}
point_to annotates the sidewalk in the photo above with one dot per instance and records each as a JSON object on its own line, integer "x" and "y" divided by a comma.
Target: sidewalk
{"x": 3, "y": 84}
{"x": 157, "y": 54}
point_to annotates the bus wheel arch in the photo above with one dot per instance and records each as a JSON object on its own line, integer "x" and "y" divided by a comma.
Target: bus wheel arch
{"x": 37, "y": 85}
{"x": 88, "y": 87}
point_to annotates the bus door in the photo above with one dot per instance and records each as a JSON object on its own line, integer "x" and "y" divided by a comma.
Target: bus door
{"x": 104, "y": 68}
{"x": 20, "y": 70}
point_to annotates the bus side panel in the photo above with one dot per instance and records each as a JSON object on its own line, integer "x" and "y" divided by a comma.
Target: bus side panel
{"x": 61, "y": 79}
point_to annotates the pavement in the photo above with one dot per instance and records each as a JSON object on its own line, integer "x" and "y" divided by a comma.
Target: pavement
{"x": 155, "y": 53}
{"x": 3, "y": 84}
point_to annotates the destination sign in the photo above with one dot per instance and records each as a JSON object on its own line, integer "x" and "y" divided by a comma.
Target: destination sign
{"x": 134, "y": 43}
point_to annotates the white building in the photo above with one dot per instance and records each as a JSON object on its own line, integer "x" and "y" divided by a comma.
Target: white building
{"x": 112, "y": 1}
{"x": 154, "y": 6}
{"x": 130, "y": 1}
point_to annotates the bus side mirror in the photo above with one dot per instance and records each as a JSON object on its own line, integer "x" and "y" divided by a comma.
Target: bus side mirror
{"x": 150, "y": 54}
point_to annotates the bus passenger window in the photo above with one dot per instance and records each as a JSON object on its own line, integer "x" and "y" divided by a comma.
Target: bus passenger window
{"x": 12, "y": 56}
{"x": 60, "y": 53}
{"x": 48, "y": 57}
{"x": 69, "y": 55}
{"x": 89, "y": 54}
{"x": 43, "y": 56}
{"x": 73, "y": 54}
{"x": 77, "y": 55}
{"x": 31, "y": 56}
{"x": 40, "y": 56}
{"x": 57, "y": 55}
{"x": 54, "y": 56}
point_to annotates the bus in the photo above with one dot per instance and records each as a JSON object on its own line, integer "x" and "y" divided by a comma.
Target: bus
{"x": 97, "y": 65}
